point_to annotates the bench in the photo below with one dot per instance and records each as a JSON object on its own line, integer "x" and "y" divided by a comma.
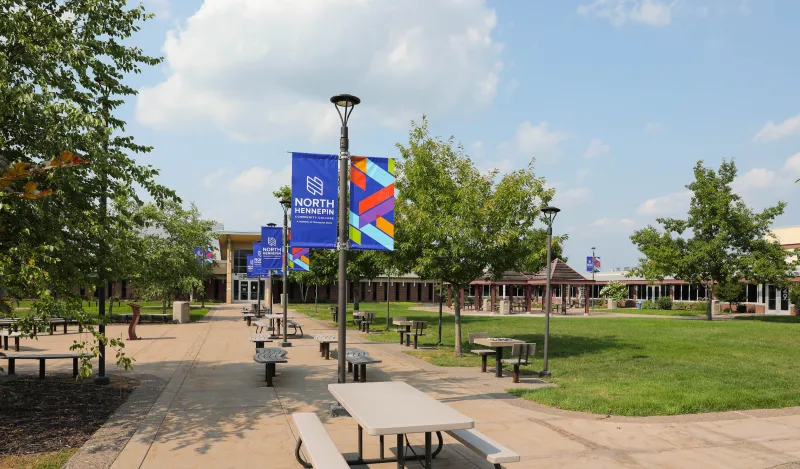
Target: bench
{"x": 260, "y": 325}
{"x": 295, "y": 326}
{"x": 366, "y": 320}
{"x": 249, "y": 318}
{"x": 259, "y": 339}
{"x": 325, "y": 344}
{"x": 357, "y": 315}
{"x": 520, "y": 356}
{"x": 419, "y": 327}
{"x": 357, "y": 361}
{"x": 270, "y": 357}
{"x": 317, "y": 444}
{"x": 13, "y": 357}
{"x": 484, "y": 446}
{"x": 334, "y": 313}
{"x": 484, "y": 353}
{"x": 6, "y": 334}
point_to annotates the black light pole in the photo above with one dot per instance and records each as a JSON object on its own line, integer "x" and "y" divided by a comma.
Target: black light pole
{"x": 285, "y": 203}
{"x": 441, "y": 287}
{"x": 270, "y": 284}
{"x": 101, "y": 377}
{"x": 388, "y": 286}
{"x": 550, "y": 215}
{"x": 346, "y": 102}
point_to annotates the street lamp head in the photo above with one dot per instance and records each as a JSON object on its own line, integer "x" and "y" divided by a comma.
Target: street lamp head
{"x": 271, "y": 224}
{"x": 550, "y": 212}
{"x": 347, "y": 102}
{"x": 286, "y": 202}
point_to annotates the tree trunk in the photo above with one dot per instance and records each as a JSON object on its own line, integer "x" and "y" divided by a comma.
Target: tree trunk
{"x": 356, "y": 295}
{"x": 164, "y": 305}
{"x": 710, "y": 301}
{"x": 316, "y": 291}
{"x": 457, "y": 308}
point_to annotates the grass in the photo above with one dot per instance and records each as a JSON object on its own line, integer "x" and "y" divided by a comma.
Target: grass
{"x": 774, "y": 319}
{"x": 196, "y": 312}
{"x": 651, "y": 312}
{"x": 54, "y": 460}
{"x": 632, "y": 366}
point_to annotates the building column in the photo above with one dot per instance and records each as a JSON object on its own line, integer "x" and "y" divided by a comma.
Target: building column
{"x": 461, "y": 298}
{"x": 229, "y": 273}
{"x": 493, "y": 291}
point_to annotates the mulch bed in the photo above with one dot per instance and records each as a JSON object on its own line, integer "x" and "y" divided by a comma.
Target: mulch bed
{"x": 56, "y": 413}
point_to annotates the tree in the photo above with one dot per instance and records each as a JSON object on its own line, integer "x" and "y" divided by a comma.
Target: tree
{"x": 170, "y": 265}
{"x": 615, "y": 290}
{"x": 730, "y": 291}
{"x": 721, "y": 239}
{"x": 457, "y": 223}
{"x": 62, "y": 69}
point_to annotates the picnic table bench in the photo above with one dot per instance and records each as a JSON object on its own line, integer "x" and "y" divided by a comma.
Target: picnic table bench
{"x": 6, "y": 334}
{"x": 270, "y": 357}
{"x": 259, "y": 339}
{"x": 249, "y": 318}
{"x": 13, "y": 357}
{"x": 319, "y": 448}
{"x": 325, "y": 344}
{"x": 487, "y": 448}
{"x": 357, "y": 361}
{"x": 334, "y": 313}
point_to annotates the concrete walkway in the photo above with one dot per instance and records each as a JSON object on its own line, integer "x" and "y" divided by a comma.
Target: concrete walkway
{"x": 215, "y": 410}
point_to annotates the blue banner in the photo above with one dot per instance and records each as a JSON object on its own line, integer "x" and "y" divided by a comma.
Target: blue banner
{"x": 271, "y": 247}
{"x": 372, "y": 203}
{"x": 251, "y": 273}
{"x": 592, "y": 265}
{"x": 315, "y": 192}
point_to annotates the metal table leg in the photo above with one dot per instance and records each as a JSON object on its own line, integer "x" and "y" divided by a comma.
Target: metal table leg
{"x": 401, "y": 452}
{"x": 498, "y": 357}
{"x": 428, "y": 456}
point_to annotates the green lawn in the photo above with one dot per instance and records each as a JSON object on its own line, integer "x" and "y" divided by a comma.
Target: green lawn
{"x": 53, "y": 460}
{"x": 634, "y": 366}
{"x": 196, "y": 313}
{"x": 651, "y": 312}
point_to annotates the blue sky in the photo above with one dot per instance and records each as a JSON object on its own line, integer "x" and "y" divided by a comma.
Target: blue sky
{"x": 616, "y": 99}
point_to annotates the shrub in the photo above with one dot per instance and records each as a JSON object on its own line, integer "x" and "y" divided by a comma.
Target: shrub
{"x": 664, "y": 302}
{"x": 615, "y": 290}
{"x": 648, "y": 305}
{"x": 740, "y": 308}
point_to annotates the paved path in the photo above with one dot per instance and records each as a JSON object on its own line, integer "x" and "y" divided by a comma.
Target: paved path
{"x": 215, "y": 410}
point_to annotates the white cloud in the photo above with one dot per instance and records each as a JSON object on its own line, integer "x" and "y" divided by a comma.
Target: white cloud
{"x": 669, "y": 204}
{"x": 596, "y": 148}
{"x": 260, "y": 70}
{"x": 161, "y": 8}
{"x": 583, "y": 173}
{"x": 478, "y": 149}
{"x": 792, "y": 165}
{"x": 261, "y": 179}
{"x": 212, "y": 178}
{"x": 571, "y": 196}
{"x": 620, "y": 12}
{"x": 613, "y": 222}
{"x": 654, "y": 127}
{"x": 772, "y": 131}
{"x": 756, "y": 178}
{"x": 538, "y": 139}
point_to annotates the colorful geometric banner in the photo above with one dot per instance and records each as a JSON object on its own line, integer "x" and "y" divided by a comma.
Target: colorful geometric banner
{"x": 271, "y": 251}
{"x": 315, "y": 196}
{"x": 372, "y": 203}
{"x": 590, "y": 267}
{"x": 203, "y": 256}
{"x": 298, "y": 257}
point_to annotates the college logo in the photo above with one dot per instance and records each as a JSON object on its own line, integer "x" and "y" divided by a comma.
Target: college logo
{"x": 314, "y": 185}
{"x": 272, "y": 241}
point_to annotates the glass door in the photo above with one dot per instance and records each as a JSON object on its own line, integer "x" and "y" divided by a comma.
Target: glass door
{"x": 243, "y": 289}
{"x": 771, "y": 298}
{"x": 254, "y": 290}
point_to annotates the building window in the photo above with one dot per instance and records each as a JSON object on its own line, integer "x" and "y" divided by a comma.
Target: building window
{"x": 240, "y": 260}
{"x": 235, "y": 290}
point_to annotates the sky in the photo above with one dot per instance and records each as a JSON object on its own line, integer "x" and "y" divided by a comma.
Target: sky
{"x": 616, "y": 100}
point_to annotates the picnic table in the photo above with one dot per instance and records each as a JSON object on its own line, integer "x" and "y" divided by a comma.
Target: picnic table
{"x": 411, "y": 411}
{"x": 498, "y": 343}
{"x": 407, "y": 332}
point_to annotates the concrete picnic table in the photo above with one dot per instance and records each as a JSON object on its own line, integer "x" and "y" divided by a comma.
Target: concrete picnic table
{"x": 276, "y": 317}
{"x": 407, "y": 325}
{"x": 408, "y": 411}
{"x": 498, "y": 344}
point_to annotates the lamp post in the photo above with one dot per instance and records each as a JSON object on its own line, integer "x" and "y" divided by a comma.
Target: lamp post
{"x": 550, "y": 215}
{"x": 270, "y": 282}
{"x": 441, "y": 287}
{"x": 285, "y": 203}
{"x": 346, "y": 103}
{"x": 101, "y": 377}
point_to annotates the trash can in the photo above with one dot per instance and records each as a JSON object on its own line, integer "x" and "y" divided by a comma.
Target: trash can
{"x": 639, "y": 304}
